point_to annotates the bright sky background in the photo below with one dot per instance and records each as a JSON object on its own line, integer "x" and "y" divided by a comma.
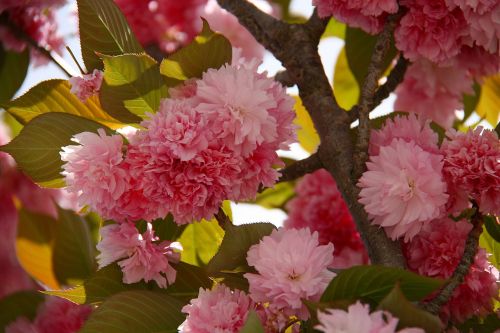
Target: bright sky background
{"x": 329, "y": 49}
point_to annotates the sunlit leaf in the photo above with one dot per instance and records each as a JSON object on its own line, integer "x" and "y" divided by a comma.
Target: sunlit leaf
{"x": 207, "y": 50}
{"x": 345, "y": 87}
{"x": 55, "y": 96}
{"x": 470, "y": 101}
{"x": 491, "y": 246}
{"x": 489, "y": 102}
{"x": 253, "y": 324}
{"x": 36, "y": 149}
{"x": 103, "y": 29}
{"x": 200, "y": 241}
{"x": 132, "y": 86}
{"x": 276, "y": 196}
{"x": 334, "y": 29}
{"x": 306, "y": 133}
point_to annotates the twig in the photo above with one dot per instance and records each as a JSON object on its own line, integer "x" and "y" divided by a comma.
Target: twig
{"x": 22, "y": 35}
{"x": 471, "y": 244}
{"x": 222, "y": 219}
{"x": 285, "y": 79}
{"x": 76, "y": 61}
{"x": 393, "y": 80}
{"x": 368, "y": 90}
{"x": 301, "y": 168}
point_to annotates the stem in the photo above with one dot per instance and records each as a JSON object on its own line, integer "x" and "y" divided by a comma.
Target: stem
{"x": 76, "y": 61}
{"x": 301, "y": 168}
{"x": 22, "y": 35}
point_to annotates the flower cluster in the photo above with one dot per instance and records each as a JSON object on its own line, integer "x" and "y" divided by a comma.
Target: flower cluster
{"x": 35, "y": 19}
{"x": 319, "y": 206}
{"x": 358, "y": 318}
{"x": 87, "y": 85}
{"x": 403, "y": 188}
{"x": 54, "y": 315}
{"x": 450, "y": 43}
{"x": 216, "y": 140}
{"x": 141, "y": 256}
{"x": 291, "y": 266}
{"x": 436, "y": 252}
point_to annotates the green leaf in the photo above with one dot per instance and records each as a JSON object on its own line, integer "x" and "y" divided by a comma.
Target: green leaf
{"x": 409, "y": 315}
{"x": 34, "y": 246}
{"x": 36, "y": 149}
{"x": 207, "y": 50}
{"x": 74, "y": 249}
{"x": 253, "y": 324}
{"x": 137, "y": 311}
{"x": 55, "y": 96}
{"x": 489, "y": 102}
{"x": 372, "y": 283}
{"x": 23, "y": 303}
{"x": 493, "y": 227}
{"x": 359, "y": 48}
{"x": 132, "y": 86}
{"x": 188, "y": 282}
{"x": 306, "y": 133}
{"x": 345, "y": 87}
{"x": 470, "y": 101}
{"x": 200, "y": 241}
{"x": 232, "y": 253}
{"x": 491, "y": 246}
{"x": 335, "y": 28}
{"x": 165, "y": 229}
{"x": 103, "y": 284}
{"x": 481, "y": 325}
{"x": 103, "y": 29}
{"x": 277, "y": 196}
{"x": 13, "y": 70}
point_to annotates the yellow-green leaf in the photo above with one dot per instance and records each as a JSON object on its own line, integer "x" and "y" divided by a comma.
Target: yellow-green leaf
{"x": 345, "y": 87}
{"x": 132, "y": 86}
{"x": 36, "y": 149}
{"x": 200, "y": 241}
{"x": 207, "y": 50}
{"x": 489, "y": 101}
{"x": 307, "y": 135}
{"x": 103, "y": 29}
{"x": 55, "y": 96}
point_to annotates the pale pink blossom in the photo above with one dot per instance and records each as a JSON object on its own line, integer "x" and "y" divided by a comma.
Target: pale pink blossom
{"x": 228, "y": 25}
{"x": 358, "y": 319}
{"x": 478, "y": 62}
{"x": 291, "y": 266}
{"x": 167, "y": 24}
{"x": 430, "y": 30}
{"x": 472, "y": 169}
{"x": 141, "y": 256}
{"x": 94, "y": 171}
{"x": 367, "y": 15}
{"x": 319, "y": 206}
{"x": 403, "y": 188}
{"x": 433, "y": 91}
{"x": 218, "y": 310}
{"x": 409, "y": 128}
{"x": 437, "y": 250}
{"x": 61, "y": 316}
{"x": 274, "y": 320}
{"x": 87, "y": 85}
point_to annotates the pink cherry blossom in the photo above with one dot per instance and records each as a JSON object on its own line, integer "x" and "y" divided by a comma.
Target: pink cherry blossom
{"x": 403, "y": 188}
{"x": 61, "y": 316}
{"x": 168, "y": 24}
{"x": 436, "y": 252}
{"x": 93, "y": 170}
{"x": 430, "y": 30}
{"x": 367, "y": 15}
{"x": 472, "y": 169}
{"x": 87, "y": 85}
{"x": 410, "y": 128}
{"x": 291, "y": 266}
{"x": 218, "y": 310}
{"x": 478, "y": 62}
{"x": 227, "y": 24}
{"x": 358, "y": 319}
{"x": 433, "y": 91}
{"x": 319, "y": 206}
{"x": 21, "y": 325}
{"x": 141, "y": 257}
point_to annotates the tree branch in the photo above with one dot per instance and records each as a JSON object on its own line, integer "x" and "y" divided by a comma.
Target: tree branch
{"x": 301, "y": 168}
{"x": 22, "y": 35}
{"x": 393, "y": 80}
{"x": 471, "y": 244}
{"x": 285, "y": 79}
{"x": 368, "y": 90}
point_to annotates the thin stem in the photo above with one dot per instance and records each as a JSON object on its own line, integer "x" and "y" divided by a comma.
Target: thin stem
{"x": 22, "y": 35}
{"x": 76, "y": 61}
{"x": 301, "y": 168}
